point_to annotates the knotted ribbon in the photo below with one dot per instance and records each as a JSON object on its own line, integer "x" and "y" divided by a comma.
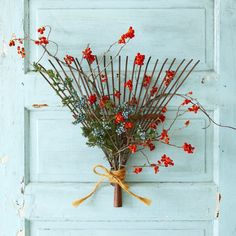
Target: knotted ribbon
{"x": 115, "y": 177}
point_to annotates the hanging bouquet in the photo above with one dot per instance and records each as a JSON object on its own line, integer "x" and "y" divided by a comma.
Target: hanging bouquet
{"x": 122, "y": 113}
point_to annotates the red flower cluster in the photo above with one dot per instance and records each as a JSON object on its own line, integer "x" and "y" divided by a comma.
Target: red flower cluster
{"x": 153, "y": 91}
{"x": 166, "y": 161}
{"x": 138, "y": 170}
{"x": 69, "y": 59}
{"x": 153, "y": 126}
{"x": 188, "y": 148}
{"x": 128, "y": 35}
{"x": 161, "y": 118}
{"x": 129, "y": 125}
{"x": 165, "y": 136}
{"x": 186, "y": 102}
{"x": 129, "y": 85}
{"x": 169, "y": 77}
{"x": 139, "y": 59}
{"x": 41, "y": 30}
{"x": 21, "y": 51}
{"x": 119, "y": 118}
{"x": 155, "y": 168}
{"x": 87, "y": 54}
{"x": 132, "y": 148}
{"x": 151, "y": 145}
{"x": 146, "y": 80}
{"x": 117, "y": 94}
{"x": 103, "y": 101}
{"x": 92, "y": 99}
{"x": 42, "y": 41}
{"x": 194, "y": 108}
{"x": 12, "y": 43}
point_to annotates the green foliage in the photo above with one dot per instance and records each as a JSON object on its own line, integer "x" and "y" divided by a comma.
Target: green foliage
{"x": 100, "y": 134}
{"x": 37, "y": 67}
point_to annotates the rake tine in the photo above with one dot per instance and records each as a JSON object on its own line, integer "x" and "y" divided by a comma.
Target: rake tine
{"x": 126, "y": 69}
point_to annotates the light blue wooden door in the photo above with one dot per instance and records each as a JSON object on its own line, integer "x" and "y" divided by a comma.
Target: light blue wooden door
{"x": 45, "y": 161}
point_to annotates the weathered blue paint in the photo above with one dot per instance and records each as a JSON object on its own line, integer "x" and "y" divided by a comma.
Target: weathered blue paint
{"x": 43, "y": 147}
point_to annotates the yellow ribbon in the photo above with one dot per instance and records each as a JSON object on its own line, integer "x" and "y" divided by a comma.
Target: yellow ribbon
{"x": 116, "y": 177}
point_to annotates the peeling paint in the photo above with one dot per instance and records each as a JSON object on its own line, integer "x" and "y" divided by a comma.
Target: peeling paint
{"x": 217, "y": 211}
{"x": 20, "y": 233}
{"x": 4, "y": 159}
{"x": 39, "y": 105}
{"x": 22, "y": 188}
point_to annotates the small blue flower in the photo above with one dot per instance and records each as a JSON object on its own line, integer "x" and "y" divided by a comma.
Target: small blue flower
{"x": 79, "y": 119}
{"x": 125, "y": 114}
{"x": 142, "y": 135}
{"x": 106, "y": 125}
{"x": 120, "y": 129}
{"x": 81, "y": 103}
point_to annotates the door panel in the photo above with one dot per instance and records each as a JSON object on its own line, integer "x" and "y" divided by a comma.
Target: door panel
{"x": 182, "y": 29}
{"x": 151, "y": 228}
{"x": 68, "y": 159}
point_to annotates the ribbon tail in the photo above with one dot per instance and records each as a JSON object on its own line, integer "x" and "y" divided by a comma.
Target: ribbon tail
{"x": 146, "y": 201}
{"x": 76, "y": 203}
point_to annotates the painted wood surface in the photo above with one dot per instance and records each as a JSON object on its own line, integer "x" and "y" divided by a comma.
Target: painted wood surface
{"x": 40, "y": 150}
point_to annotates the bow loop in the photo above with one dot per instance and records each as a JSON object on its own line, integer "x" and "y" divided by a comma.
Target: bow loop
{"x": 115, "y": 177}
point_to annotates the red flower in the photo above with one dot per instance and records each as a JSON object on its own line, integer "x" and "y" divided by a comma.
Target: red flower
{"x": 194, "y": 108}
{"x": 92, "y": 99}
{"x": 147, "y": 80}
{"x": 69, "y": 59}
{"x": 104, "y": 78}
{"x": 151, "y": 146}
{"x": 129, "y": 85}
{"x": 166, "y": 161}
{"x": 156, "y": 169}
{"x": 41, "y": 30}
{"x": 12, "y": 43}
{"x": 153, "y": 126}
{"x": 139, "y": 59}
{"x": 165, "y": 136}
{"x": 190, "y": 92}
{"x": 186, "y": 102}
{"x": 164, "y": 110}
{"x": 187, "y": 122}
{"x": 129, "y": 34}
{"x": 103, "y": 101}
{"x": 161, "y": 118}
{"x": 117, "y": 94}
{"x": 122, "y": 39}
{"x": 21, "y": 51}
{"x": 137, "y": 170}
{"x": 188, "y": 148}
{"x": 132, "y": 148}
{"x": 169, "y": 77}
{"x": 42, "y": 40}
{"x": 128, "y": 125}
{"x": 153, "y": 91}
{"x": 87, "y": 54}
{"x": 119, "y": 118}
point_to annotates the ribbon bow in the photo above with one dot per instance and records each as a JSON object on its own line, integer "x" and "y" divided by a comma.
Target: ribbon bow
{"x": 116, "y": 177}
